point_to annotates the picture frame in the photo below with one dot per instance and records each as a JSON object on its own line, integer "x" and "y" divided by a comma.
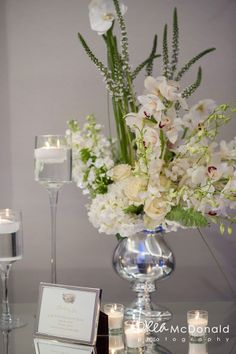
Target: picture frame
{"x": 47, "y": 346}
{"x": 68, "y": 313}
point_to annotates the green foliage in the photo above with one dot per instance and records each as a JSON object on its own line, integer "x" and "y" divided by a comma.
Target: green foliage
{"x": 192, "y": 88}
{"x": 187, "y": 217}
{"x": 190, "y": 63}
{"x": 134, "y": 209}
{"x": 73, "y": 126}
{"x": 85, "y": 155}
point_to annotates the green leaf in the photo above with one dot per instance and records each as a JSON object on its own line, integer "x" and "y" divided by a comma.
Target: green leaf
{"x": 230, "y": 230}
{"x": 134, "y": 209}
{"x": 169, "y": 155}
{"x": 85, "y": 155}
{"x": 187, "y": 217}
{"x": 188, "y": 65}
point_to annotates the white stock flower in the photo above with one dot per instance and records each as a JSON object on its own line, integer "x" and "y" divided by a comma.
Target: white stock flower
{"x": 102, "y": 14}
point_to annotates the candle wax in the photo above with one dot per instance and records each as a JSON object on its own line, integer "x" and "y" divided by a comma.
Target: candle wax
{"x": 8, "y": 226}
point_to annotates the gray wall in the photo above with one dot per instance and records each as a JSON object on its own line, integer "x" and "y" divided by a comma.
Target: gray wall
{"x": 47, "y": 79}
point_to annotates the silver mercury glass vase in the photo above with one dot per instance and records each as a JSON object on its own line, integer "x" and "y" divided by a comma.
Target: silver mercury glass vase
{"x": 143, "y": 259}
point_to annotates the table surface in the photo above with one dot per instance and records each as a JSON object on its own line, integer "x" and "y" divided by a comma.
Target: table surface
{"x": 20, "y": 341}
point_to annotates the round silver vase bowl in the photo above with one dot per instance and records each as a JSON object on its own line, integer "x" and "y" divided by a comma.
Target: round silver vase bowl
{"x": 143, "y": 259}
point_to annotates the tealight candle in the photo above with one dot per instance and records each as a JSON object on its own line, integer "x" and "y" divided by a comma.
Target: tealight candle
{"x": 50, "y": 154}
{"x": 8, "y": 226}
{"x": 197, "y": 348}
{"x": 135, "y": 334}
{"x": 197, "y": 323}
{"x": 115, "y": 314}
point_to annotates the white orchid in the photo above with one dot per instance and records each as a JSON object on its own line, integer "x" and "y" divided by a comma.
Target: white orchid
{"x": 102, "y": 14}
{"x": 151, "y": 106}
{"x": 199, "y": 112}
{"x": 163, "y": 88}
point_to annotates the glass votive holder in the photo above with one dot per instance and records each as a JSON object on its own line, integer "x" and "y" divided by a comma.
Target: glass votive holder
{"x": 135, "y": 335}
{"x": 197, "y": 324}
{"x": 197, "y": 348}
{"x": 115, "y": 313}
{"x": 116, "y": 344}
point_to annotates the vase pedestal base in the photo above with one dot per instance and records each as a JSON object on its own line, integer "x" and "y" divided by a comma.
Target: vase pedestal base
{"x": 143, "y": 306}
{"x": 156, "y": 313}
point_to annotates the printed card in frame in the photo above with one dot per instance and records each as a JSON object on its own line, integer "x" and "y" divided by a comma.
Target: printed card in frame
{"x": 68, "y": 313}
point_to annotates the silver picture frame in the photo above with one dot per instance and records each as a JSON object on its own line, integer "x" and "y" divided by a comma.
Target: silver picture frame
{"x": 43, "y": 346}
{"x": 69, "y": 295}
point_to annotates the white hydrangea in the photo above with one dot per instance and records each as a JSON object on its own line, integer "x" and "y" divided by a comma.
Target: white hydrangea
{"x": 106, "y": 213}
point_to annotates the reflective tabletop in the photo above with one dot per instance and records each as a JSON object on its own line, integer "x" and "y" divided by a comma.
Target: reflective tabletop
{"x": 168, "y": 338}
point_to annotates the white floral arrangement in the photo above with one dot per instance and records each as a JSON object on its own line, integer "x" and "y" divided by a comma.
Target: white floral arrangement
{"x": 165, "y": 167}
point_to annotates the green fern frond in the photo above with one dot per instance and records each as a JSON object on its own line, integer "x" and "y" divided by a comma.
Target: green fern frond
{"x": 143, "y": 64}
{"x": 149, "y": 67}
{"x": 175, "y": 43}
{"x": 187, "y": 66}
{"x": 192, "y": 88}
{"x": 187, "y": 217}
{"x": 165, "y": 54}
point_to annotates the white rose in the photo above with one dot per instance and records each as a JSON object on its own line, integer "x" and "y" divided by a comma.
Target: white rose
{"x": 134, "y": 187}
{"x": 120, "y": 172}
{"x": 156, "y": 209}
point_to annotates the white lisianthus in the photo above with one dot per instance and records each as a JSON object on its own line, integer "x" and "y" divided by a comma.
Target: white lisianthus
{"x": 102, "y": 14}
{"x": 120, "y": 172}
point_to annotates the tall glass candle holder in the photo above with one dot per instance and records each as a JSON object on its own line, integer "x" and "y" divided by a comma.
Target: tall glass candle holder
{"x": 53, "y": 168}
{"x": 11, "y": 250}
